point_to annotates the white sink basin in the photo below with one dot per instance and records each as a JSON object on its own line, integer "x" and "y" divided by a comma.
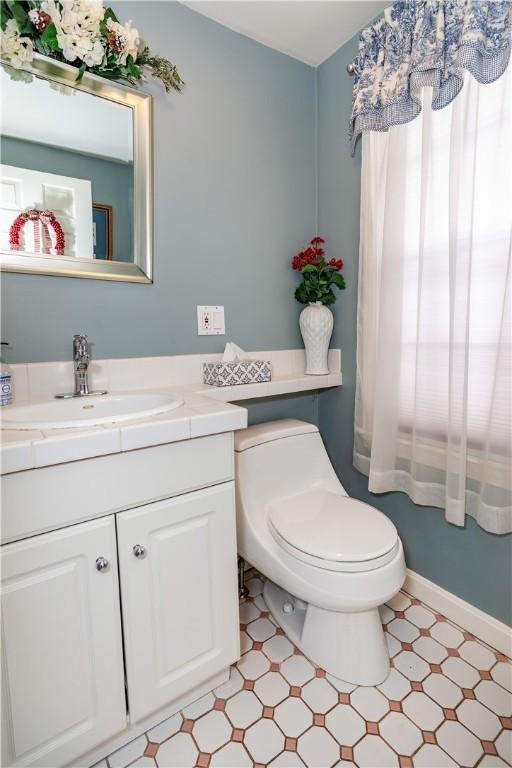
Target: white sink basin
{"x": 89, "y": 411}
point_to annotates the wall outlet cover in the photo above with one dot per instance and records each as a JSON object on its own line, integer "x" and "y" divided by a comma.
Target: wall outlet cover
{"x": 210, "y": 321}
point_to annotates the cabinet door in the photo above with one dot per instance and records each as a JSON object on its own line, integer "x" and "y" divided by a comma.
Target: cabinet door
{"x": 179, "y": 597}
{"x": 62, "y": 667}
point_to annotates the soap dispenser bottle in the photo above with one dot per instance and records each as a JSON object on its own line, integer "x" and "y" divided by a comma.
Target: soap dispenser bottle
{"x": 5, "y": 381}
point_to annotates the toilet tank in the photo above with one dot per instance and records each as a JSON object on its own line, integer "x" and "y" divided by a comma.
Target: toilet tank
{"x": 280, "y": 459}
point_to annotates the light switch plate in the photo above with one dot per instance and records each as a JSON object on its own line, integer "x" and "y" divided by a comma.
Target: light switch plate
{"x": 210, "y": 321}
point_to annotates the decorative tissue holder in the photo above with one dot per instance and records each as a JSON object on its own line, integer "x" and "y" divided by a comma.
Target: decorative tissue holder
{"x": 237, "y": 372}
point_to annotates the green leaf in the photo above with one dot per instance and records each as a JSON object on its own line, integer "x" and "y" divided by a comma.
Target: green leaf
{"x": 308, "y": 268}
{"x": 132, "y": 68}
{"x": 25, "y": 26}
{"x": 5, "y": 15}
{"x": 49, "y": 37}
{"x": 109, "y": 14}
{"x": 339, "y": 281}
{"x": 41, "y": 46}
{"x": 301, "y": 294}
{"x": 81, "y": 71}
{"x": 107, "y": 73}
{"x": 21, "y": 17}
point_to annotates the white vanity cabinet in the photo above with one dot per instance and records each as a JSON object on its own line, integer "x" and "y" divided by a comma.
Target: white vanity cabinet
{"x": 145, "y": 591}
{"x": 177, "y": 563}
{"x": 62, "y": 661}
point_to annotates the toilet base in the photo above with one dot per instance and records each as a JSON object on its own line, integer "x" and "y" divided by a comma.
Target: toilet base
{"x": 349, "y": 646}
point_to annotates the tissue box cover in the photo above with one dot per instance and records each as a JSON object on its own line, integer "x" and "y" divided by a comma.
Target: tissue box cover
{"x": 237, "y": 372}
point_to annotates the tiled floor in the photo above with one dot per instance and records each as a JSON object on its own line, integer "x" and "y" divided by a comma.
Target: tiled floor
{"x": 447, "y": 702}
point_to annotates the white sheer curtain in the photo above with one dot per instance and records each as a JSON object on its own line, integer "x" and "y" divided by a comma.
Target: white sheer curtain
{"x": 433, "y": 397}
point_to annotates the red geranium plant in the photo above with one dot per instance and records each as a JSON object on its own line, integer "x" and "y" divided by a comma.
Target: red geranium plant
{"x": 318, "y": 275}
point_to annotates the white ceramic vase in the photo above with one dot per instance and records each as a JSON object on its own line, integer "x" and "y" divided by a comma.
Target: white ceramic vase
{"x": 316, "y": 323}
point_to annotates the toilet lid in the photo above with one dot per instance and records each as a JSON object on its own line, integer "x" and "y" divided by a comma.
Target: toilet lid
{"x": 333, "y": 527}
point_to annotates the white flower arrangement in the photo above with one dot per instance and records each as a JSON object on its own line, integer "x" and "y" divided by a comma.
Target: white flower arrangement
{"x": 123, "y": 39}
{"x": 77, "y": 23}
{"x": 16, "y": 49}
{"x": 83, "y": 33}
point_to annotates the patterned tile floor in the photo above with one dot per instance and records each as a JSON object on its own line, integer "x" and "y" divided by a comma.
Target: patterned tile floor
{"x": 447, "y": 702}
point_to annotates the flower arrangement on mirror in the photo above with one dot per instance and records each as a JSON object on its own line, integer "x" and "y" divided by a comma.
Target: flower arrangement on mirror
{"x": 82, "y": 33}
{"x": 315, "y": 290}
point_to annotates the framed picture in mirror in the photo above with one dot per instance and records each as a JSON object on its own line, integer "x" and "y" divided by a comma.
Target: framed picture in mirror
{"x": 102, "y": 231}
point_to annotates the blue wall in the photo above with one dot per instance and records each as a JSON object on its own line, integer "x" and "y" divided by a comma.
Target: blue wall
{"x": 234, "y": 198}
{"x": 297, "y": 406}
{"x": 475, "y": 565}
{"x": 111, "y": 181}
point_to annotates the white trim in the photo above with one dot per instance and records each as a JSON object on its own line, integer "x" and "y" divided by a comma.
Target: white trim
{"x": 485, "y": 627}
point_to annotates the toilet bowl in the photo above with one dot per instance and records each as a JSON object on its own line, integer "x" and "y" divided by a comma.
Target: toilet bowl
{"x": 330, "y": 561}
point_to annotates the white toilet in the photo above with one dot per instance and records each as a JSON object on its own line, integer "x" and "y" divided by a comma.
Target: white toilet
{"x": 330, "y": 560}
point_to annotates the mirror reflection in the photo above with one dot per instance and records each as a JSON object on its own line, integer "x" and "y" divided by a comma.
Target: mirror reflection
{"x": 67, "y": 174}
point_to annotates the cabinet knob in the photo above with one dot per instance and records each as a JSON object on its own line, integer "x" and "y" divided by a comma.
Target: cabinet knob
{"x": 102, "y": 564}
{"x": 139, "y": 550}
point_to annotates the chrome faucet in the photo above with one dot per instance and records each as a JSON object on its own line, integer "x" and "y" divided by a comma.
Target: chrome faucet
{"x": 81, "y": 360}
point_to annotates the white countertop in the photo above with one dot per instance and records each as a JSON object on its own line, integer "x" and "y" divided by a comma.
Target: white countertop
{"x": 206, "y": 410}
{"x": 197, "y": 417}
{"x": 280, "y": 385}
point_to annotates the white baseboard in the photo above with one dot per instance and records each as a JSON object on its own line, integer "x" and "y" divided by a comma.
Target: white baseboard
{"x": 485, "y": 627}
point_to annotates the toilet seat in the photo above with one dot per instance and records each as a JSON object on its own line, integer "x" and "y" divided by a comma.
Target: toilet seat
{"x": 333, "y": 532}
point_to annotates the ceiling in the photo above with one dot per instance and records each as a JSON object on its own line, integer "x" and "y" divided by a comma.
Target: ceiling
{"x": 308, "y": 30}
{"x": 54, "y": 109}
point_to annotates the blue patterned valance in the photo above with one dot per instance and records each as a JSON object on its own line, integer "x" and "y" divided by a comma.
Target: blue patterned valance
{"x": 426, "y": 43}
